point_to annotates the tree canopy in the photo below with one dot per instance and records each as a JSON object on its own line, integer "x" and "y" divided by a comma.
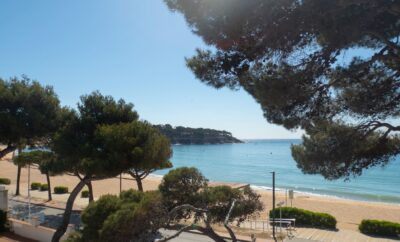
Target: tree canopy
{"x": 79, "y": 143}
{"x": 104, "y": 139}
{"x": 45, "y": 160}
{"x": 140, "y": 144}
{"x": 182, "y": 186}
{"x": 29, "y": 113}
{"x": 330, "y": 67}
{"x": 186, "y": 194}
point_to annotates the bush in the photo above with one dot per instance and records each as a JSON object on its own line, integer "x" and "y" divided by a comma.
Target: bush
{"x": 85, "y": 194}
{"x": 380, "y": 228}
{"x": 306, "y": 218}
{"x": 134, "y": 216}
{"x": 35, "y": 185}
{"x": 74, "y": 237}
{"x": 96, "y": 213}
{"x": 3, "y": 221}
{"x": 132, "y": 195}
{"x": 44, "y": 187}
{"x": 182, "y": 186}
{"x": 5, "y": 181}
{"x": 60, "y": 190}
{"x": 135, "y": 221}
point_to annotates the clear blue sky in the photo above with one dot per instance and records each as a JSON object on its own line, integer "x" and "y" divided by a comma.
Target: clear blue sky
{"x": 128, "y": 49}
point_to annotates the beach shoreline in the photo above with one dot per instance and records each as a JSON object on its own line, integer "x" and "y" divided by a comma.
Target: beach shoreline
{"x": 348, "y": 213}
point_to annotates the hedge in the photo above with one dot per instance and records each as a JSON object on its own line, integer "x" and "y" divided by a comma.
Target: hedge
{"x": 85, "y": 194}
{"x": 3, "y": 221}
{"x": 5, "y": 181}
{"x": 380, "y": 228}
{"x": 44, "y": 187}
{"x": 60, "y": 190}
{"x": 306, "y": 218}
{"x": 35, "y": 185}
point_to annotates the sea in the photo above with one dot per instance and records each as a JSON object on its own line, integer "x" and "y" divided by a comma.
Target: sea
{"x": 253, "y": 161}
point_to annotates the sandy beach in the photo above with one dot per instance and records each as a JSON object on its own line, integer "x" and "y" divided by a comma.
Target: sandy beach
{"x": 348, "y": 213}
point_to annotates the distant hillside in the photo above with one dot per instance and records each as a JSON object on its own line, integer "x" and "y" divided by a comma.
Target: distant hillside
{"x": 184, "y": 135}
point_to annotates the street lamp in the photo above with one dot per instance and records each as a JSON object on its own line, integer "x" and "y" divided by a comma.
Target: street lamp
{"x": 29, "y": 193}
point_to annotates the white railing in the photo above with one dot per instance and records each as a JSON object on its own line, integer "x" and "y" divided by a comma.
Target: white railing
{"x": 262, "y": 225}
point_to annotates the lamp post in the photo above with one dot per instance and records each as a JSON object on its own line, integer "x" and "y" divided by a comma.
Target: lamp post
{"x": 29, "y": 193}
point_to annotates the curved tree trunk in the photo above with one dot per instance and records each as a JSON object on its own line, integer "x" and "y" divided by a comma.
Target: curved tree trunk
{"x": 183, "y": 229}
{"x": 68, "y": 210}
{"x": 226, "y": 222}
{"x": 18, "y": 181}
{"x": 6, "y": 150}
{"x": 138, "y": 178}
{"x": 231, "y": 233}
{"x": 208, "y": 230}
{"x": 211, "y": 234}
{"x": 139, "y": 184}
{"x": 49, "y": 186}
{"x": 90, "y": 187}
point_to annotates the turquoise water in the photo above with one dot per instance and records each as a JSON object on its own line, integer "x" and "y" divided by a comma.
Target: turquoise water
{"x": 252, "y": 162}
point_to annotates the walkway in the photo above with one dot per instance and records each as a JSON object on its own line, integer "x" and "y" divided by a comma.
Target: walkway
{"x": 336, "y": 236}
{"x": 10, "y": 237}
{"x": 342, "y": 235}
{"x": 51, "y": 217}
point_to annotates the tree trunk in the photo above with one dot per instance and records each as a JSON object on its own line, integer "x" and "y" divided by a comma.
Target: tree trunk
{"x": 139, "y": 184}
{"x": 138, "y": 178}
{"x": 188, "y": 227}
{"x": 49, "y": 186}
{"x": 211, "y": 234}
{"x": 18, "y": 180}
{"x": 68, "y": 210}
{"x": 90, "y": 187}
{"x": 231, "y": 233}
{"x": 226, "y": 223}
{"x": 6, "y": 150}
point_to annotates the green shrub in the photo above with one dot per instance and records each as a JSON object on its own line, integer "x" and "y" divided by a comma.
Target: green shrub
{"x": 44, "y": 187}
{"x": 380, "y": 228}
{"x": 60, "y": 190}
{"x": 182, "y": 185}
{"x": 135, "y": 221}
{"x": 35, "y": 185}
{"x": 306, "y": 218}
{"x": 74, "y": 237}
{"x": 5, "y": 181}
{"x": 85, "y": 194}
{"x": 3, "y": 221}
{"x": 96, "y": 213}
